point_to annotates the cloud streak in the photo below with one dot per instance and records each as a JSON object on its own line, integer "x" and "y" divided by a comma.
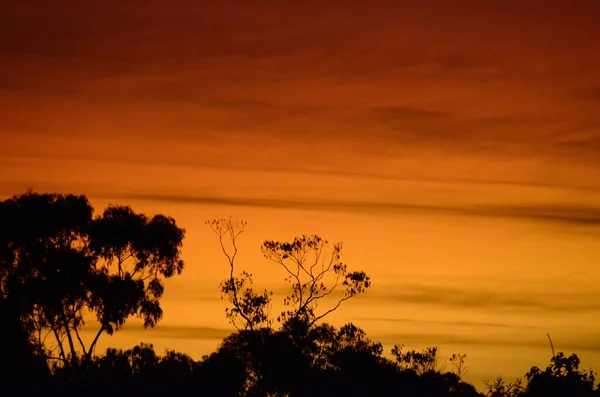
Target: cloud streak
{"x": 178, "y": 332}
{"x": 551, "y": 213}
{"x": 454, "y": 298}
{"x": 10, "y": 159}
{"x": 465, "y": 323}
{"x": 586, "y": 343}
{"x": 583, "y": 343}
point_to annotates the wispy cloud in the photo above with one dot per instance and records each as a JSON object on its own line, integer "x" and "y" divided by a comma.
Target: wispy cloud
{"x": 463, "y": 323}
{"x": 180, "y": 332}
{"x": 582, "y": 343}
{"x": 473, "y": 298}
{"x": 576, "y": 215}
{"x": 405, "y": 113}
{"x": 11, "y": 159}
{"x": 585, "y": 343}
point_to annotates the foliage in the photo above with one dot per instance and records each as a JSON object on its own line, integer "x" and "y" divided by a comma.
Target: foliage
{"x": 312, "y": 273}
{"x": 561, "y": 378}
{"x": 61, "y": 263}
{"x": 500, "y": 388}
{"x": 420, "y": 362}
{"x": 138, "y": 254}
{"x": 313, "y": 276}
{"x": 58, "y": 262}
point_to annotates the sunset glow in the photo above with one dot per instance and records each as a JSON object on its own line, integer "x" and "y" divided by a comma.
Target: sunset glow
{"x": 454, "y": 148}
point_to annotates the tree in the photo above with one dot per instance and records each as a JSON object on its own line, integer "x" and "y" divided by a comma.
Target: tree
{"x": 312, "y": 273}
{"x": 313, "y": 276}
{"x": 61, "y": 263}
{"x": 45, "y": 263}
{"x": 500, "y": 388}
{"x": 329, "y": 348}
{"x": 272, "y": 361}
{"x": 266, "y": 362}
{"x": 18, "y": 355}
{"x": 561, "y": 378}
{"x": 269, "y": 361}
{"x": 138, "y": 253}
{"x": 420, "y": 362}
{"x": 458, "y": 361}
{"x": 249, "y": 309}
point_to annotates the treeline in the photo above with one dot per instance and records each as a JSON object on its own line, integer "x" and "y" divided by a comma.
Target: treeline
{"x": 60, "y": 263}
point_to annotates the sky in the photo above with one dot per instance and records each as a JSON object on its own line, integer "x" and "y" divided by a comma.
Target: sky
{"x": 454, "y": 147}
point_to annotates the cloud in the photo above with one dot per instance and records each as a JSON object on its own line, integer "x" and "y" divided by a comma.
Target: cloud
{"x": 445, "y": 130}
{"x": 187, "y": 163}
{"x": 262, "y": 71}
{"x": 170, "y": 331}
{"x": 590, "y": 94}
{"x": 465, "y": 323}
{"x": 595, "y": 93}
{"x": 552, "y": 213}
{"x": 580, "y": 343}
{"x": 182, "y": 332}
{"x": 583, "y": 343}
{"x": 455, "y": 298}
{"x": 406, "y": 113}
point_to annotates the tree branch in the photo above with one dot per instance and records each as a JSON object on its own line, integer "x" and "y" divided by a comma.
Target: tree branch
{"x": 93, "y": 345}
{"x": 80, "y": 341}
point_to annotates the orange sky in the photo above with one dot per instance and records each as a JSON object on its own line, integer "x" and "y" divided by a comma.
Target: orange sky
{"x": 453, "y": 146}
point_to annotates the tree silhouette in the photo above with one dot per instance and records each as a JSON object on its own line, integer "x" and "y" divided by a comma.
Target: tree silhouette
{"x": 45, "y": 263}
{"x": 420, "y": 362}
{"x": 249, "y": 309}
{"x": 18, "y": 355}
{"x": 501, "y": 388}
{"x": 60, "y": 263}
{"x": 270, "y": 361}
{"x": 313, "y": 276}
{"x": 138, "y": 253}
{"x": 458, "y": 361}
{"x": 312, "y": 273}
{"x": 560, "y": 379}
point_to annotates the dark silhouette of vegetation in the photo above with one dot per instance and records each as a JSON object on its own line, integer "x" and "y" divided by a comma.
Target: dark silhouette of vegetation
{"x": 58, "y": 263}
{"x": 562, "y": 377}
{"x": 312, "y": 273}
{"x": 420, "y": 362}
{"x": 249, "y": 309}
{"x": 18, "y": 355}
{"x": 313, "y": 276}
{"x": 458, "y": 362}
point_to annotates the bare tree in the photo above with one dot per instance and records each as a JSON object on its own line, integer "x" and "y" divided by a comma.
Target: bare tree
{"x": 249, "y": 310}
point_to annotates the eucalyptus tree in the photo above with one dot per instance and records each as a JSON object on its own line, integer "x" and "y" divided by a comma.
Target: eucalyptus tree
{"x": 61, "y": 264}
{"x": 314, "y": 273}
